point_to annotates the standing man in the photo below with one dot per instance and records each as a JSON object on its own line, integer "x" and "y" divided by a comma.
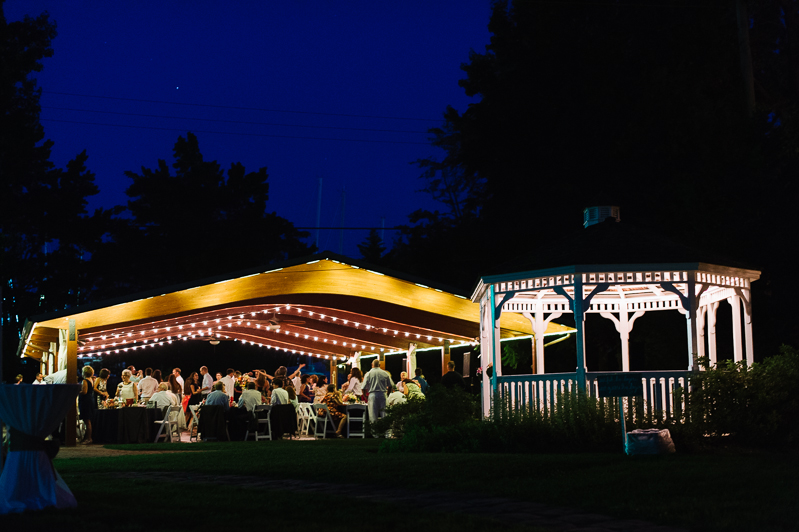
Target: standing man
{"x": 148, "y": 385}
{"x": 39, "y": 379}
{"x": 207, "y": 382}
{"x": 377, "y": 382}
{"x": 452, "y": 379}
{"x": 134, "y": 377}
{"x": 230, "y": 381}
{"x": 176, "y": 373}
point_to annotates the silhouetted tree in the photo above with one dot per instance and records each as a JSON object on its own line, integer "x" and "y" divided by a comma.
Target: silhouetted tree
{"x": 46, "y": 234}
{"x": 372, "y": 248}
{"x": 198, "y": 221}
{"x": 640, "y": 106}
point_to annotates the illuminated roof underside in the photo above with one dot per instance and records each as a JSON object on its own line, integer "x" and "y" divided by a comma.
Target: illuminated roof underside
{"x": 323, "y": 308}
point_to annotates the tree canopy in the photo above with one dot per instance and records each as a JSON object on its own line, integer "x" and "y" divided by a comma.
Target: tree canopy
{"x": 641, "y": 106}
{"x": 196, "y": 220}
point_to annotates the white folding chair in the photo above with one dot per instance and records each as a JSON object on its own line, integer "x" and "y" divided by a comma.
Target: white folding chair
{"x": 320, "y": 425}
{"x": 171, "y": 422}
{"x": 262, "y": 415}
{"x": 195, "y": 422}
{"x": 356, "y": 414}
{"x": 304, "y": 417}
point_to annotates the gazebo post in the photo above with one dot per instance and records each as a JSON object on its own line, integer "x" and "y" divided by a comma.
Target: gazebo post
{"x": 700, "y": 324}
{"x": 70, "y": 431}
{"x": 579, "y": 323}
{"x": 711, "y": 332}
{"x": 746, "y": 299}
{"x": 691, "y": 301}
{"x": 737, "y": 340}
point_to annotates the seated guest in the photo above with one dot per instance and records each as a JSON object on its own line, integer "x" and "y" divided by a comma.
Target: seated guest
{"x": 332, "y": 400}
{"x": 279, "y": 395}
{"x": 250, "y": 398}
{"x": 401, "y": 383}
{"x": 395, "y": 397}
{"x": 39, "y": 379}
{"x": 292, "y": 396}
{"x": 218, "y": 397}
{"x": 305, "y": 394}
{"x": 412, "y": 389}
{"x": 163, "y": 397}
{"x": 19, "y": 378}
{"x": 59, "y": 377}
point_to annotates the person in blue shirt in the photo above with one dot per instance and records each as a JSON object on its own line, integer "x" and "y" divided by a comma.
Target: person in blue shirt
{"x": 422, "y": 381}
{"x": 218, "y": 397}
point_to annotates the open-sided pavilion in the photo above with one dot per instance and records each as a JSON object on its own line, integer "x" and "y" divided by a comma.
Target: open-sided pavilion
{"x": 620, "y": 273}
{"x": 327, "y": 306}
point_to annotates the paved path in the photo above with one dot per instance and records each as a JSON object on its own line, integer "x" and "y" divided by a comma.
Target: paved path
{"x": 498, "y": 508}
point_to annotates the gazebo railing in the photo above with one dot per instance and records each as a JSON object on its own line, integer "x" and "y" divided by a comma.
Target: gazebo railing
{"x": 540, "y": 392}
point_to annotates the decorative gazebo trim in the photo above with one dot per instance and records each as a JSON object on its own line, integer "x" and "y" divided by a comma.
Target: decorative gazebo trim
{"x": 621, "y": 293}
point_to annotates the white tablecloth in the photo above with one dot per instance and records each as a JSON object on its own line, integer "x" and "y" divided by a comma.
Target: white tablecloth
{"x": 29, "y": 481}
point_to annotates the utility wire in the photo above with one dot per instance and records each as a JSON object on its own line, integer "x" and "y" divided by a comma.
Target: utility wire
{"x": 242, "y": 108}
{"x": 232, "y": 132}
{"x": 232, "y": 121}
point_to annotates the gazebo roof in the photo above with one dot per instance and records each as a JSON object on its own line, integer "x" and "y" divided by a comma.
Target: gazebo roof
{"x": 612, "y": 242}
{"x": 327, "y": 305}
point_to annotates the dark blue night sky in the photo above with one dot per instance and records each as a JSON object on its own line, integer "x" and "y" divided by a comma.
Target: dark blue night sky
{"x": 340, "y": 90}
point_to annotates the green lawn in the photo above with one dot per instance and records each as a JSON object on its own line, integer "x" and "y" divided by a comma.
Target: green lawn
{"x": 743, "y": 492}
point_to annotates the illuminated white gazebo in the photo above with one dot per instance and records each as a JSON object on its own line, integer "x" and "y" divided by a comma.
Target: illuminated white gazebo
{"x": 620, "y": 273}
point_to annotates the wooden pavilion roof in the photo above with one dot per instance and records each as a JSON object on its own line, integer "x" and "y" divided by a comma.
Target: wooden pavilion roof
{"x": 327, "y": 306}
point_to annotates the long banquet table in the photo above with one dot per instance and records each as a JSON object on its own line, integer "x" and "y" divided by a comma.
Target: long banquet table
{"x": 132, "y": 424}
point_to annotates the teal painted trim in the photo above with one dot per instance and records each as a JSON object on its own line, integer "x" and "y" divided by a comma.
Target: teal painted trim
{"x": 493, "y": 310}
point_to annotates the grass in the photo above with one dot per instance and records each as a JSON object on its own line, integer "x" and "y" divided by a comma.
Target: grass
{"x": 714, "y": 492}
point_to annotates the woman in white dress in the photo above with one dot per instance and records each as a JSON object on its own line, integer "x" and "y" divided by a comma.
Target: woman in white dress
{"x": 127, "y": 389}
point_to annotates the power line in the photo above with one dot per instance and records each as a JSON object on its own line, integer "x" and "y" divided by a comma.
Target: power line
{"x": 242, "y": 108}
{"x": 231, "y": 121}
{"x": 232, "y": 132}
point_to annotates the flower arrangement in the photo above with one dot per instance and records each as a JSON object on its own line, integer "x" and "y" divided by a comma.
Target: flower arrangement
{"x": 350, "y": 398}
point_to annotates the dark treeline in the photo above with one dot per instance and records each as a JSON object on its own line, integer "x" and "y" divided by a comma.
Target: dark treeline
{"x": 644, "y": 106}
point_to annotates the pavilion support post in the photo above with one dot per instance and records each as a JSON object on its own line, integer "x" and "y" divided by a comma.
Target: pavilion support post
{"x": 382, "y": 358}
{"x": 691, "y": 301}
{"x": 737, "y": 338}
{"x": 711, "y": 332}
{"x": 411, "y": 360}
{"x": 445, "y": 356}
{"x": 72, "y": 378}
{"x": 333, "y": 371}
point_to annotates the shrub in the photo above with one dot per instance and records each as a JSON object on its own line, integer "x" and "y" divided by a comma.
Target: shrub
{"x": 449, "y": 422}
{"x": 755, "y": 406}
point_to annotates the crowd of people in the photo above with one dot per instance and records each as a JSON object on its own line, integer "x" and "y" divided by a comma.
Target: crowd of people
{"x": 248, "y": 390}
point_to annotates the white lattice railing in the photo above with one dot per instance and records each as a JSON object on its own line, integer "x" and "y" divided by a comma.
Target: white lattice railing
{"x": 540, "y": 392}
